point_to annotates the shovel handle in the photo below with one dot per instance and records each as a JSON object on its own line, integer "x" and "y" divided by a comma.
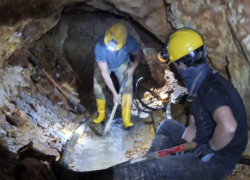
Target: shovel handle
{"x": 34, "y": 61}
{"x": 55, "y": 84}
{"x": 190, "y": 145}
{"x": 108, "y": 126}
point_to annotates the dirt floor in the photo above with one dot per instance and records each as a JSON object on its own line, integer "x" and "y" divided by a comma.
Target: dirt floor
{"x": 93, "y": 152}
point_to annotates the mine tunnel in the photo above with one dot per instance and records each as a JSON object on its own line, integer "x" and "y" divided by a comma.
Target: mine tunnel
{"x": 48, "y": 102}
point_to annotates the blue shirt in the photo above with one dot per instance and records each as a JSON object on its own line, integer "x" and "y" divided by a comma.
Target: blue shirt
{"x": 115, "y": 58}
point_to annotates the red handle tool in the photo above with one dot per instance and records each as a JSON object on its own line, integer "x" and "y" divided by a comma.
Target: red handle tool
{"x": 165, "y": 152}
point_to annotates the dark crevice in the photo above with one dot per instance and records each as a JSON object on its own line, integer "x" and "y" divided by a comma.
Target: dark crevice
{"x": 227, "y": 69}
{"x": 211, "y": 63}
{"x": 167, "y": 6}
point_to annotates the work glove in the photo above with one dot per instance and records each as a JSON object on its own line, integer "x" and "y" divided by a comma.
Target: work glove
{"x": 204, "y": 152}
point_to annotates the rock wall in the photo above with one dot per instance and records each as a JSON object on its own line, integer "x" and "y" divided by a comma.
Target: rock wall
{"x": 226, "y": 34}
{"x": 23, "y": 22}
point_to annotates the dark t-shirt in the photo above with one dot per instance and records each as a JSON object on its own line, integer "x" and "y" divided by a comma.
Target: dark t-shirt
{"x": 215, "y": 92}
{"x": 115, "y": 58}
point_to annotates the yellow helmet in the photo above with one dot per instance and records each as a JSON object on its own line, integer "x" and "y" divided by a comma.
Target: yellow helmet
{"x": 183, "y": 43}
{"x": 116, "y": 36}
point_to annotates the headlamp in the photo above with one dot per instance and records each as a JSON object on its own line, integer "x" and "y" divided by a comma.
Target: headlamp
{"x": 112, "y": 45}
{"x": 163, "y": 55}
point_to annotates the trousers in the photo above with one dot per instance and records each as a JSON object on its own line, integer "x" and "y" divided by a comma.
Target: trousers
{"x": 99, "y": 83}
{"x": 174, "y": 167}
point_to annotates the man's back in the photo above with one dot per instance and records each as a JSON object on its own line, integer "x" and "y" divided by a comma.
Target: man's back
{"x": 215, "y": 92}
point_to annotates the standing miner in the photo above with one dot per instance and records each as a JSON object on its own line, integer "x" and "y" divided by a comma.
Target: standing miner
{"x": 112, "y": 52}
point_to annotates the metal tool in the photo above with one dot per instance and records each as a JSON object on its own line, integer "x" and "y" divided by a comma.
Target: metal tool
{"x": 166, "y": 152}
{"x": 71, "y": 100}
{"x": 108, "y": 125}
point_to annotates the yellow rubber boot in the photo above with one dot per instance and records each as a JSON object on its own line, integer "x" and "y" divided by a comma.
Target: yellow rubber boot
{"x": 126, "y": 110}
{"x": 101, "y": 107}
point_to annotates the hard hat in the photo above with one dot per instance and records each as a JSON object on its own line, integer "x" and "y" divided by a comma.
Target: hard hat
{"x": 116, "y": 36}
{"x": 186, "y": 45}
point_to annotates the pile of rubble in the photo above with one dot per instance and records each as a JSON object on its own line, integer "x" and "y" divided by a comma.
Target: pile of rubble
{"x": 161, "y": 97}
{"x": 139, "y": 150}
{"x": 32, "y": 110}
{"x": 23, "y": 166}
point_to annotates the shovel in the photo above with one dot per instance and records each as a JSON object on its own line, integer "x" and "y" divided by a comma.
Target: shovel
{"x": 71, "y": 100}
{"x": 108, "y": 126}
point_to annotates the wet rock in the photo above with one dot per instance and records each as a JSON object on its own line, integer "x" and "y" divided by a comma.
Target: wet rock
{"x": 11, "y": 78}
{"x": 60, "y": 96}
{"x": 3, "y": 142}
{"x": 72, "y": 115}
{"x": 22, "y": 114}
{"x": 35, "y": 170}
{"x": 146, "y": 94}
{"x": 58, "y": 125}
{"x": 26, "y": 74}
{"x": 57, "y": 146}
{"x": 40, "y": 88}
{"x": 87, "y": 114}
{"x": 65, "y": 86}
{"x": 155, "y": 66}
{"x": 5, "y": 154}
{"x": 11, "y": 134}
{"x": 170, "y": 81}
{"x": 53, "y": 98}
{"x": 15, "y": 120}
{"x": 39, "y": 151}
{"x": 2, "y": 131}
{"x": 19, "y": 58}
{"x": 43, "y": 124}
{"x": 28, "y": 169}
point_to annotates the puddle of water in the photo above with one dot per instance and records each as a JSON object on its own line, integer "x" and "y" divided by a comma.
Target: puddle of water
{"x": 93, "y": 152}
